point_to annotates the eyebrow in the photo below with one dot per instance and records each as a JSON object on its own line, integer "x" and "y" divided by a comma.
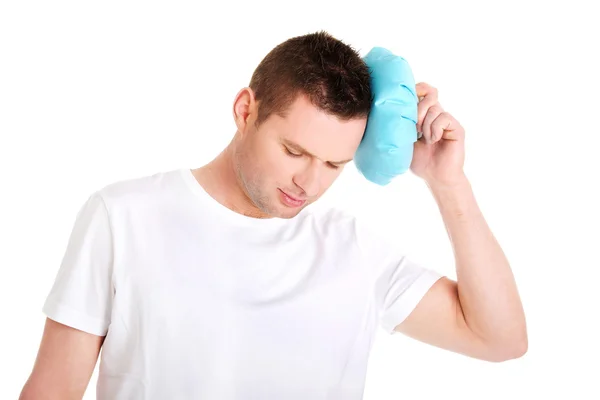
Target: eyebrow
{"x": 301, "y": 149}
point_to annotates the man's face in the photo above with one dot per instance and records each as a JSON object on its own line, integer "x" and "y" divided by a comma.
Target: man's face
{"x": 289, "y": 162}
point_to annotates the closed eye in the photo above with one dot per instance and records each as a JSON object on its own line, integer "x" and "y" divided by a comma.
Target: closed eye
{"x": 296, "y": 155}
{"x": 290, "y": 153}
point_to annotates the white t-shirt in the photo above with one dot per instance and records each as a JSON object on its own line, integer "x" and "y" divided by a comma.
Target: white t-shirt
{"x": 199, "y": 302}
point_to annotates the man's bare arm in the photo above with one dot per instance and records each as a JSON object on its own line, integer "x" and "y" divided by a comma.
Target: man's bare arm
{"x": 64, "y": 365}
{"x": 481, "y": 315}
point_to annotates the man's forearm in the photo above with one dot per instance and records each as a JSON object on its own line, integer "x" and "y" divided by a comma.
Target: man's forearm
{"x": 486, "y": 285}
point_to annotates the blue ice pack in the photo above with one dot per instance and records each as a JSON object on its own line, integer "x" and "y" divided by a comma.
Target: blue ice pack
{"x": 386, "y": 148}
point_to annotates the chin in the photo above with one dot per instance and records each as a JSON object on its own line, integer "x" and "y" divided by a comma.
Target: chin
{"x": 289, "y": 214}
{"x": 278, "y": 207}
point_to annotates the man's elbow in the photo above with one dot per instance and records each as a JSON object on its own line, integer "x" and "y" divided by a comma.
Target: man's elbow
{"x": 32, "y": 390}
{"x": 37, "y": 391}
{"x": 509, "y": 350}
{"x": 29, "y": 392}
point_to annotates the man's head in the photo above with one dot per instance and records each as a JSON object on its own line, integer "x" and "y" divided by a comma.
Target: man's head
{"x": 299, "y": 122}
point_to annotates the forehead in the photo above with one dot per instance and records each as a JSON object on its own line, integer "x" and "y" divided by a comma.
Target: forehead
{"x": 322, "y": 134}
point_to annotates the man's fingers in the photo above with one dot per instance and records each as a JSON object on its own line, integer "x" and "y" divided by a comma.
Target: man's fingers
{"x": 428, "y": 96}
{"x": 429, "y": 135}
{"x": 446, "y": 125}
{"x": 433, "y": 123}
{"x": 425, "y": 89}
{"x": 441, "y": 123}
{"x": 422, "y": 110}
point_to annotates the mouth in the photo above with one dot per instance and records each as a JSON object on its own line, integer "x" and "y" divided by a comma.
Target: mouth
{"x": 290, "y": 201}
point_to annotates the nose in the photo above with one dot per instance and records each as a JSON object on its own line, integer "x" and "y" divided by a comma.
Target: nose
{"x": 309, "y": 179}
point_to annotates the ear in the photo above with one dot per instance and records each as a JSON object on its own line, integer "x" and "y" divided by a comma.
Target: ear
{"x": 244, "y": 109}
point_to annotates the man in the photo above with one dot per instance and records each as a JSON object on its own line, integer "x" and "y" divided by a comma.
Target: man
{"x": 223, "y": 283}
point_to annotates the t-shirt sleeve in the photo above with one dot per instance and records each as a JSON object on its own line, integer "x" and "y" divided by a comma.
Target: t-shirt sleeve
{"x": 82, "y": 293}
{"x": 399, "y": 282}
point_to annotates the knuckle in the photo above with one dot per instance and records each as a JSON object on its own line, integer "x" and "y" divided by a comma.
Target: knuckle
{"x": 445, "y": 115}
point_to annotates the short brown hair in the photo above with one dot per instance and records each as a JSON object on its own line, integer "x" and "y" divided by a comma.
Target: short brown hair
{"x": 330, "y": 73}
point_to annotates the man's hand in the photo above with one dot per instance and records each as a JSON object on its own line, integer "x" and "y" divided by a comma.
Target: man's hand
{"x": 439, "y": 153}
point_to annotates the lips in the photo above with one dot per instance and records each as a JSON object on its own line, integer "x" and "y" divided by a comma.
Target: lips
{"x": 290, "y": 200}
{"x": 292, "y": 197}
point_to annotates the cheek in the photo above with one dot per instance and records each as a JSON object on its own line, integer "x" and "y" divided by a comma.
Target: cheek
{"x": 284, "y": 163}
{"x": 328, "y": 177}
{"x": 277, "y": 165}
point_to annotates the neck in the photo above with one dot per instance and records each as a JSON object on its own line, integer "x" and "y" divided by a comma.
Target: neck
{"x": 220, "y": 180}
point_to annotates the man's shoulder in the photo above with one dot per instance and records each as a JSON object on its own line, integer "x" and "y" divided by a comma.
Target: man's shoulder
{"x": 139, "y": 189}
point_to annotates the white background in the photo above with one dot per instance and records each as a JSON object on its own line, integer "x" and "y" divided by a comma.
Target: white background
{"x": 91, "y": 93}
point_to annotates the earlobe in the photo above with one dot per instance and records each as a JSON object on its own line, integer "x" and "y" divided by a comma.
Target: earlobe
{"x": 243, "y": 107}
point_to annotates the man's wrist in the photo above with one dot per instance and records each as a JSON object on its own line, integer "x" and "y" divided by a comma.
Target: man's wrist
{"x": 459, "y": 183}
{"x": 455, "y": 197}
